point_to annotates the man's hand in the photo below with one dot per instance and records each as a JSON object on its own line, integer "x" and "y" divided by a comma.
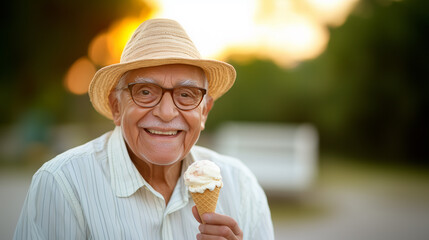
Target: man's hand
{"x": 217, "y": 226}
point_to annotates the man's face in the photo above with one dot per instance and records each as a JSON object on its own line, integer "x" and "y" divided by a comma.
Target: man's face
{"x": 162, "y": 134}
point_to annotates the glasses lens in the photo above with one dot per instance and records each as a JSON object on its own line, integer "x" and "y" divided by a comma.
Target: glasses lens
{"x": 146, "y": 94}
{"x": 187, "y": 97}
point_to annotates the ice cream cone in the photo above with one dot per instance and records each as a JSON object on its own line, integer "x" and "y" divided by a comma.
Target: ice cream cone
{"x": 206, "y": 201}
{"x": 200, "y": 177}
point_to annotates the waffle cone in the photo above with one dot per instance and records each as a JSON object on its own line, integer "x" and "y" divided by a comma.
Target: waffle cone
{"x": 206, "y": 201}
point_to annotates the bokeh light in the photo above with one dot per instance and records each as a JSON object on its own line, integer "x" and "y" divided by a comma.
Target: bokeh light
{"x": 98, "y": 50}
{"x": 331, "y": 12}
{"x": 79, "y": 76}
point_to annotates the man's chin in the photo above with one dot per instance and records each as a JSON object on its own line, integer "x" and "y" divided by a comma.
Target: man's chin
{"x": 163, "y": 160}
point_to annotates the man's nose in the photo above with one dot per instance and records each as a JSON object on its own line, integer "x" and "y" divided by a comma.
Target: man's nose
{"x": 166, "y": 110}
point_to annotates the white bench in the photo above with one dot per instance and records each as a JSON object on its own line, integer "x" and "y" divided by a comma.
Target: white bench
{"x": 283, "y": 157}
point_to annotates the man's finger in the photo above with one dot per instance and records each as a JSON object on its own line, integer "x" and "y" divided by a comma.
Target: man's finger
{"x": 196, "y": 215}
{"x": 207, "y": 237}
{"x": 217, "y": 230}
{"x": 219, "y": 219}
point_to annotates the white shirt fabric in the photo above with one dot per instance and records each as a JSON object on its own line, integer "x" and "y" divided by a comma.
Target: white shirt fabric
{"x": 94, "y": 191}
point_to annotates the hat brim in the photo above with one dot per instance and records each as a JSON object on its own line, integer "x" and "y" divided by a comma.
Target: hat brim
{"x": 220, "y": 76}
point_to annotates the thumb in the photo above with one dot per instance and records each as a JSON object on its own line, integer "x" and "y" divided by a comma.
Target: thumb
{"x": 196, "y": 215}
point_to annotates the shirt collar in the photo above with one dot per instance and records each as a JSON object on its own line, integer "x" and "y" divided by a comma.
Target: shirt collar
{"x": 125, "y": 178}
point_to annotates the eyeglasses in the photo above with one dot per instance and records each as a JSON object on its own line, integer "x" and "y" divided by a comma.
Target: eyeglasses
{"x": 149, "y": 95}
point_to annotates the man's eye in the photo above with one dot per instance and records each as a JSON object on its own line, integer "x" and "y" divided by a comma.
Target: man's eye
{"x": 145, "y": 92}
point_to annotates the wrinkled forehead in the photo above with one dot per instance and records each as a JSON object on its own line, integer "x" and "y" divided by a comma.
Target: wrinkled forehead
{"x": 178, "y": 73}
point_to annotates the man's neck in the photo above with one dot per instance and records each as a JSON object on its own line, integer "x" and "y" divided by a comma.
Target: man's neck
{"x": 162, "y": 178}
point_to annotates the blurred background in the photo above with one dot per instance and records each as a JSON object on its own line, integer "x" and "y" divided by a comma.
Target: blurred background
{"x": 340, "y": 86}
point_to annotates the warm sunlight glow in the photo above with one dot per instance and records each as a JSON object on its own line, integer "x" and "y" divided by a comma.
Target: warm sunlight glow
{"x": 333, "y": 12}
{"x": 284, "y": 31}
{"x": 295, "y": 41}
{"x": 79, "y": 76}
{"x": 212, "y": 25}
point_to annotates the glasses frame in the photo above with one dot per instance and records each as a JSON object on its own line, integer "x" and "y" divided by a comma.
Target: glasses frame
{"x": 164, "y": 90}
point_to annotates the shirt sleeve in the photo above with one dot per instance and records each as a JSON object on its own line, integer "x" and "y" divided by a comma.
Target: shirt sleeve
{"x": 47, "y": 213}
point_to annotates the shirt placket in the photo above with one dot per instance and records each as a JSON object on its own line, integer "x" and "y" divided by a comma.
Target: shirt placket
{"x": 178, "y": 201}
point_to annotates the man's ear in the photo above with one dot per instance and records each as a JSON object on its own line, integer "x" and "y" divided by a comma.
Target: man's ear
{"x": 114, "y": 108}
{"x": 209, "y": 102}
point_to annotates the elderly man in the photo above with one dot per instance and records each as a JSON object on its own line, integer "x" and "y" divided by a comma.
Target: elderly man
{"x": 128, "y": 183}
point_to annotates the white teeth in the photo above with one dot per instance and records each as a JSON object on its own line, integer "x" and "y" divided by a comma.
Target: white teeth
{"x": 162, "y": 133}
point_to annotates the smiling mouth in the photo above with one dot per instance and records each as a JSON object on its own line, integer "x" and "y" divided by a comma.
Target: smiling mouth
{"x": 162, "y": 133}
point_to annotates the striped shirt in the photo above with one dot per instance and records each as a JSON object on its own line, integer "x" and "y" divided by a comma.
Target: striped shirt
{"x": 94, "y": 191}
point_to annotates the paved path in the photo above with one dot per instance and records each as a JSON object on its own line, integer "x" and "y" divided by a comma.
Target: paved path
{"x": 362, "y": 215}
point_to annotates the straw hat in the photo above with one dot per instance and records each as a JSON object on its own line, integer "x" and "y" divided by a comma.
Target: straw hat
{"x": 158, "y": 42}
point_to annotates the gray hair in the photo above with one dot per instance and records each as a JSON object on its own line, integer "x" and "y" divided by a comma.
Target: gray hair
{"x": 121, "y": 85}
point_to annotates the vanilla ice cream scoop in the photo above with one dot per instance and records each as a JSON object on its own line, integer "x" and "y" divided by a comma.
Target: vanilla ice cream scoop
{"x": 202, "y": 175}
